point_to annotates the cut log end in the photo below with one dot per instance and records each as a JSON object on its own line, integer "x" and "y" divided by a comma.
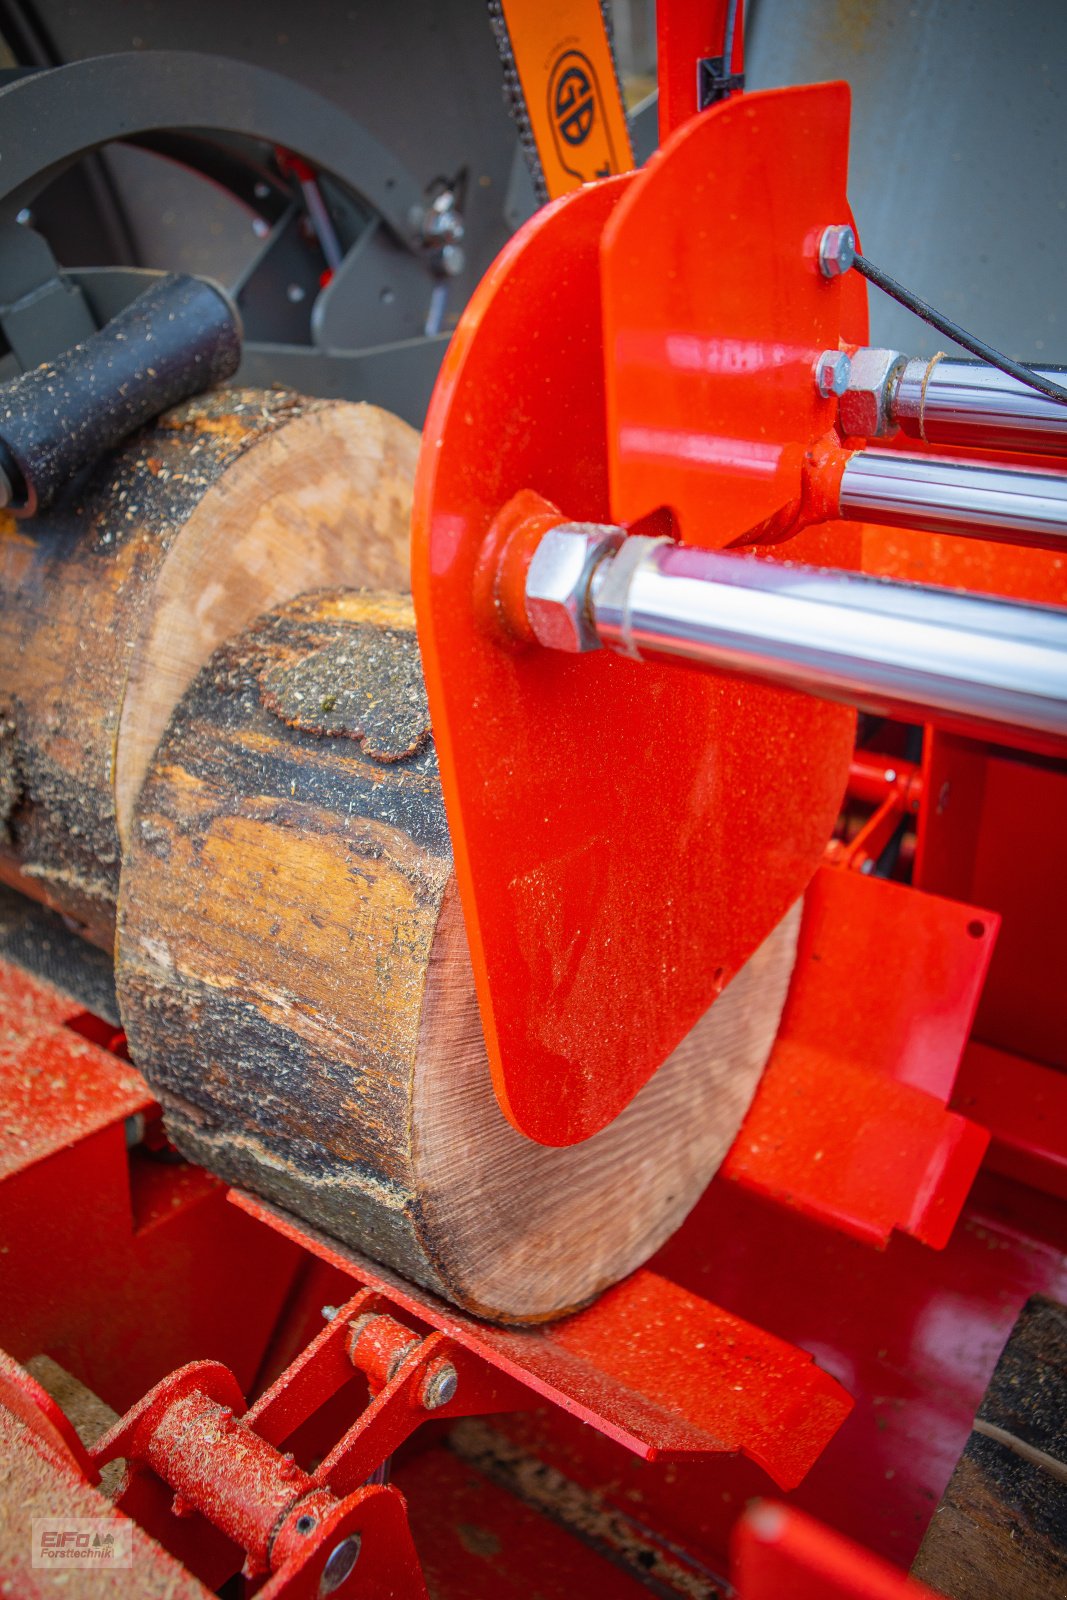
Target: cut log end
{"x": 521, "y": 1231}
{"x": 323, "y": 502}
{"x": 111, "y": 603}
{"x": 296, "y": 984}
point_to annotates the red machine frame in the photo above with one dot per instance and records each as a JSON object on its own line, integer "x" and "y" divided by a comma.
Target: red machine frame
{"x": 819, "y": 1327}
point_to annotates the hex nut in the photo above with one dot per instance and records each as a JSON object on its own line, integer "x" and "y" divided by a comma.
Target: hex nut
{"x": 865, "y": 410}
{"x": 832, "y": 370}
{"x": 837, "y": 250}
{"x": 557, "y": 583}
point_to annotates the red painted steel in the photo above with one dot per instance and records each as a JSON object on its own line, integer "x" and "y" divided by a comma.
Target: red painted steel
{"x": 481, "y": 1542}
{"x": 90, "y": 1230}
{"x": 53, "y": 1079}
{"x": 992, "y": 832}
{"x": 626, "y": 835}
{"x": 192, "y": 1434}
{"x": 850, "y": 1124}
{"x": 873, "y": 777}
{"x": 519, "y": 405}
{"x": 670, "y": 1400}
{"x": 1024, "y": 1106}
{"x": 227, "y": 1474}
{"x": 912, "y": 1332}
{"x": 245, "y": 1502}
{"x": 894, "y": 790}
{"x": 685, "y": 35}
{"x": 53, "y": 1434}
{"x": 778, "y": 1552}
{"x": 715, "y": 312}
{"x": 224, "y": 1463}
{"x": 651, "y": 1366}
{"x": 39, "y": 1483}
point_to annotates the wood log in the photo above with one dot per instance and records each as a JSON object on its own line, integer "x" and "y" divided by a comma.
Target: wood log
{"x": 1000, "y": 1530}
{"x": 111, "y": 603}
{"x": 295, "y": 983}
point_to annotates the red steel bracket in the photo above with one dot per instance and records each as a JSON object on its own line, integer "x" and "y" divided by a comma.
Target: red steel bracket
{"x": 1024, "y": 1106}
{"x": 653, "y": 1367}
{"x": 850, "y": 1123}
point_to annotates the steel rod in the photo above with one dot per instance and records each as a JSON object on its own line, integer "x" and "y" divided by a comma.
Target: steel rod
{"x": 970, "y": 403}
{"x": 969, "y": 663}
{"x": 961, "y": 497}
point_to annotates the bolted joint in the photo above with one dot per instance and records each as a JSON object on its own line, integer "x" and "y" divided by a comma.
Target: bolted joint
{"x": 339, "y": 1566}
{"x": 837, "y": 250}
{"x": 557, "y": 584}
{"x": 865, "y": 410}
{"x": 440, "y": 222}
{"x": 438, "y": 227}
{"x": 832, "y": 369}
{"x": 439, "y": 1385}
{"x": 379, "y": 1345}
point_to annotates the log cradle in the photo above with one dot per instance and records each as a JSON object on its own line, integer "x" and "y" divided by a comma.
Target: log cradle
{"x": 214, "y": 725}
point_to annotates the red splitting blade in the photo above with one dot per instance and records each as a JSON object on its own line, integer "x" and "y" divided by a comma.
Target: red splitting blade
{"x": 626, "y": 834}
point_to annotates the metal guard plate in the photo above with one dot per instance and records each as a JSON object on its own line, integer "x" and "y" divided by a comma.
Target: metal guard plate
{"x": 625, "y": 834}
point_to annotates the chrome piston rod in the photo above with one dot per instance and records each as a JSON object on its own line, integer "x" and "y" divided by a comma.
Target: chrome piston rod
{"x": 969, "y": 663}
{"x": 968, "y": 402}
{"x": 961, "y": 497}
{"x": 950, "y": 402}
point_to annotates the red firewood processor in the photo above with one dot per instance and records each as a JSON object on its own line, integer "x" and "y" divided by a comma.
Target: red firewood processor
{"x": 532, "y": 770}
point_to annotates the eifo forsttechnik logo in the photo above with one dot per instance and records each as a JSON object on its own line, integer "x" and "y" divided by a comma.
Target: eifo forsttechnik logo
{"x": 101, "y": 1543}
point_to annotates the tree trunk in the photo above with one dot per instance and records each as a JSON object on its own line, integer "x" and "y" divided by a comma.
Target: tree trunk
{"x": 295, "y": 983}
{"x": 111, "y": 603}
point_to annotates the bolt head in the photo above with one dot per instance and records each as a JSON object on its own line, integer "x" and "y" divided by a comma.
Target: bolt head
{"x": 440, "y": 1386}
{"x": 837, "y": 250}
{"x": 832, "y": 371}
{"x": 866, "y": 409}
{"x": 557, "y": 584}
{"x": 338, "y": 1568}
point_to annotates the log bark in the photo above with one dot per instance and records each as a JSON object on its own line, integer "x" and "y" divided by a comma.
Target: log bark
{"x": 111, "y": 603}
{"x": 1001, "y": 1527}
{"x": 295, "y": 983}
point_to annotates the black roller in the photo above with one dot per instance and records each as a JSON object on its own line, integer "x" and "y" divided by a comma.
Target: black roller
{"x": 181, "y": 336}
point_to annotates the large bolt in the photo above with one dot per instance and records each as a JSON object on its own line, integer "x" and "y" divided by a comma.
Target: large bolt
{"x": 557, "y": 584}
{"x": 832, "y": 371}
{"x": 837, "y": 250}
{"x": 440, "y": 1385}
{"x": 342, "y": 1559}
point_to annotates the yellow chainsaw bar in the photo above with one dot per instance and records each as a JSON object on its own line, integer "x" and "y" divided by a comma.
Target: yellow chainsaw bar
{"x": 563, "y": 86}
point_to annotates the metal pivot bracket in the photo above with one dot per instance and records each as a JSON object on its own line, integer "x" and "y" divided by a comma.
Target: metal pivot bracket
{"x": 211, "y": 1481}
